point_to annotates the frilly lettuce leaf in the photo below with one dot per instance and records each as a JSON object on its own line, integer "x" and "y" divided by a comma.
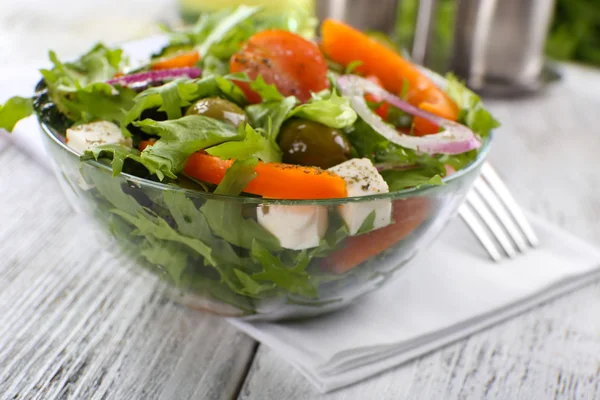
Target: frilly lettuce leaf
{"x": 327, "y": 108}
{"x": 253, "y": 145}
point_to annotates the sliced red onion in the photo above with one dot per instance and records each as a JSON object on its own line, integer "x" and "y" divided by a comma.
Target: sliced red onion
{"x": 454, "y": 139}
{"x": 144, "y": 78}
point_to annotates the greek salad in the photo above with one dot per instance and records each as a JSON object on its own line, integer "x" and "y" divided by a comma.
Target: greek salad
{"x": 237, "y": 107}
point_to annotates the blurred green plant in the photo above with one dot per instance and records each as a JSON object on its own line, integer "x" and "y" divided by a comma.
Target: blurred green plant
{"x": 575, "y": 31}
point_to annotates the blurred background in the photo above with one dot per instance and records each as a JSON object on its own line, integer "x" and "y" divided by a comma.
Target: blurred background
{"x": 501, "y": 46}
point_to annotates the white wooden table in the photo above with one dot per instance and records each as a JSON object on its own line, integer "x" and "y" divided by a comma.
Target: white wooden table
{"x": 76, "y": 324}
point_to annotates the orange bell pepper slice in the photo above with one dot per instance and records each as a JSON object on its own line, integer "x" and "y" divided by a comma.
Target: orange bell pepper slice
{"x": 179, "y": 60}
{"x": 344, "y": 44}
{"x": 273, "y": 180}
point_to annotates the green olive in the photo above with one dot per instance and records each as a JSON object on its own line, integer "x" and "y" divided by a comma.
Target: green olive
{"x": 310, "y": 143}
{"x": 217, "y": 108}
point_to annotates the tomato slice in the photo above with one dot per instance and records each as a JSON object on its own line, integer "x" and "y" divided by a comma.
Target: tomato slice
{"x": 293, "y": 64}
{"x": 407, "y": 214}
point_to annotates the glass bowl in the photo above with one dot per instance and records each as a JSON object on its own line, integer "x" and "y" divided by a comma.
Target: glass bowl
{"x": 213, "y": 255}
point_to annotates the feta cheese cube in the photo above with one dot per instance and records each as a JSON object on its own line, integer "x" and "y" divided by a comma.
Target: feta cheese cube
{"x": 84, "y": 137}
{"x": 363, "y": 179}
{"x": 296, "y": 227}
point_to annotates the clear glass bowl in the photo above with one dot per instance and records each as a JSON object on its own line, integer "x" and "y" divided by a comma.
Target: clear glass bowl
{"x": 213, "y": 256}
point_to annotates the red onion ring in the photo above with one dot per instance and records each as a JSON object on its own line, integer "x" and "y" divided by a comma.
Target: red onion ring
{"x": 147, "y": 77}
{"x": 454, "y": 139}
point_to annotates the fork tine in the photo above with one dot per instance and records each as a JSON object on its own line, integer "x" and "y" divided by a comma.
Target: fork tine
{"x": 491, "y": 222}
{"x": 496, "y": 206}
{"x": 502, "y": 191}
{"x": 480, "y": 232}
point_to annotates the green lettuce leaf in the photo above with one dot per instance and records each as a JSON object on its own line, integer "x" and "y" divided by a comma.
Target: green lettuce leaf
{"x": 97, "y": 65}
{"x": 180, "y": 138}
{"x": 223, "y": 215}
{"x": 170, "y": 98}
{"x": 79, "y": 90}
{"x": 14, "y": 110}
{"x": 180, "y": 93}
{"x": 327, "y": 108}
{"x": 269, "y": 116}
{"x": 97, "y": 101}
{"x": 253, "y": 145}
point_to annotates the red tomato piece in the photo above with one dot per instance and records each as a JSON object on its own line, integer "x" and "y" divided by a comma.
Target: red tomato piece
{"x": 293, "y": 64}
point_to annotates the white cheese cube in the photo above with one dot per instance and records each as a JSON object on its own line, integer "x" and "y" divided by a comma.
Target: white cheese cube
{"x": 363, "y": 179}
{"x": 296, "y": 227}
{"x": 84, "y": 137}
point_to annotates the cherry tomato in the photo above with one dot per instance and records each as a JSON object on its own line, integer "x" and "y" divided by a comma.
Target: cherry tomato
{"x": 293, "y": 64}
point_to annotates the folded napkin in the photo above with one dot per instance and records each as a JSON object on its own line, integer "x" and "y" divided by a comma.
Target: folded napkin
{"x": 450, "y": 291}
{"x": 447, "y": 293}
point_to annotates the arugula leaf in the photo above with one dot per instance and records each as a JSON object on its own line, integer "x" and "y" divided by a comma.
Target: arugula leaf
{"x": 110, "y": 189}
{"x": 327, "y": 108}
{"x": 118, "y": 152}
{"x": 253, "y": 145}
{"x": 269, "y": 116}
{"x": 399, "y": 180}
{"x": 267, "y": 92}
{"x": 179, "y": 139}
{"x": 171, "y": 256}
{"x": 222, "y": 215}
{"x": 295, "y": 279}
{"x": 250, "y": 286}
{"x": 160, "y": 229}
{"x": 14, "y": 110}
{"x": 191, "y": 222}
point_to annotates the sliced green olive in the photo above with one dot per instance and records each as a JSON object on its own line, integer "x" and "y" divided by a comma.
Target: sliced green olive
{"x": 305, "y": 142}
{"x": 218, "y": 108}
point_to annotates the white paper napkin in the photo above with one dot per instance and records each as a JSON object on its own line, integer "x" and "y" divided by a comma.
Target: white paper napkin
{"x": 447, "y": 293}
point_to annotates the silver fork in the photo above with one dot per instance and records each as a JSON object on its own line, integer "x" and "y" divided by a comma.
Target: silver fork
{"x": 495, "y": 218}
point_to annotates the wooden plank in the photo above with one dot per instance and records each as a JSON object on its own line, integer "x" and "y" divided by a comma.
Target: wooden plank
{"x": 78, "y": 322}
{"x": 547, "y": 152}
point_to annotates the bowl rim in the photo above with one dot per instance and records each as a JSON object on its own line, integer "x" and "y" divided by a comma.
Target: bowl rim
{"x": 400, "y": 194}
